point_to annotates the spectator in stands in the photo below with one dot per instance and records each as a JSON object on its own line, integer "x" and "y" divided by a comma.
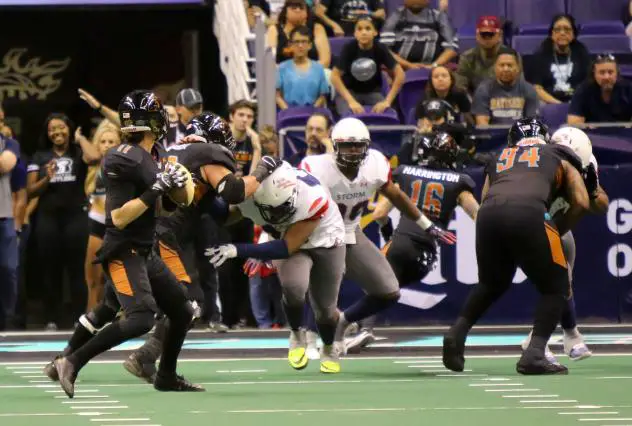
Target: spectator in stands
{"x": 9, "y": 155}
{"x": 234, "y": 286}
{"x": 442, "y": 85}
{"x": 357, "y": 77}
{"x": 106, "y": 136}
{"x": 420, "y": 36}
{"x": 295, "y": 13}
{"x": 269, "y": 140}
{"x": 317, "y": 139}
{"x": 561, "y": 63}
{"x": 300, "y": 80}
{"x": 189, "y": 103}
{"x": 507, "y": 96}
{"x": 340, "y": 16}
{"x": 477, "y": 64}
{"x": 20, "y": 203}
{"x": 56, "y": 175}
{"x": 604, "y": 97}
{"x": 255, "y": 7}
{"x": 105, "y": 111}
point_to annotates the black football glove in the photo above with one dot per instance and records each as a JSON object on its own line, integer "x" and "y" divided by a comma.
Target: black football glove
{"x": 591, "y": 180}
{"x": 265, "y": 167}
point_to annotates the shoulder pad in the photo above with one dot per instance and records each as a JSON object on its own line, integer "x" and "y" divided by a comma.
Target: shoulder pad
{"x": 119, "y": 162}
{"x": 467, "y": 181}
{"x": 214, "y": 154}
{"x": 565, "y": 153}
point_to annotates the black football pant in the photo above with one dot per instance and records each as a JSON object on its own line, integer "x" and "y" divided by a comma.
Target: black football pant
{"x": 508, "y": 237}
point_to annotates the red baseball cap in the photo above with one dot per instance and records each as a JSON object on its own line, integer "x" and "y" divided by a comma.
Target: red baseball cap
{"x": 488, "y": 24}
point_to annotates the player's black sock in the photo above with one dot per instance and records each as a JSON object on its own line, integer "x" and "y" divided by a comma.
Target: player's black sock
{"x": 172, "y": 345}
{"x": 151, "y": 350}
{"x": 294, "y": 316}
{"x": 136, "y": 324}
{"x": 569, "y": 315}
{"x": 368, "y": 305}
{"x": 87, "y": 326}
{"x": 479, "y": 300}
{"x": 547, "y": 316}
{"x": 327, "y": 332}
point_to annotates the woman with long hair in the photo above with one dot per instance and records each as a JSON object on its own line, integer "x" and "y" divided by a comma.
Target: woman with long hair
{"x": 442, "y": 85}
{"x": 56, "y": 175}
{"x": 106, "y": 136}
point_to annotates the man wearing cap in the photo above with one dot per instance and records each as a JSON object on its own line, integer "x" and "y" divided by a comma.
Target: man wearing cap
{"x": 189, "y": 103}
{"x": 477, "y": 64}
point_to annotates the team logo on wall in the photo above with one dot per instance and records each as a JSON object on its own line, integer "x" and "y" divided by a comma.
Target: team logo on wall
{"x": 23, "y": 76}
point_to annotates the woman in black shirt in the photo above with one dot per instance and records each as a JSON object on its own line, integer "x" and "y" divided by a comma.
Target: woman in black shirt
{"x": 56, "y": 175}
{"x": 441, "y": 85}
{"x": 294, "y": 14}
{"x": 561, "y": 63}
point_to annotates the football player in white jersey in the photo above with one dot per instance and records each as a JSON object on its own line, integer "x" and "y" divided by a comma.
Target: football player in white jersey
{"x": 579, "y": 142}
{"x": 309, "y": 254}
{"x": 352, "y": 174}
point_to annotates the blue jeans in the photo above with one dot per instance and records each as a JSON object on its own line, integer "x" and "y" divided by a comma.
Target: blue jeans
{"x": 8, "y": 270}
{"x": 265, "y": 296}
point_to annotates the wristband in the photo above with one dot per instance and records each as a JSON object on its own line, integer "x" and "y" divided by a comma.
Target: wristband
{"x": 423, "y": 222}
{"x": 150, "y": 197}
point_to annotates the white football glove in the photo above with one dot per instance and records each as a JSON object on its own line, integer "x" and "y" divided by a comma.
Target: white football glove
{"x": 219, "y": 254}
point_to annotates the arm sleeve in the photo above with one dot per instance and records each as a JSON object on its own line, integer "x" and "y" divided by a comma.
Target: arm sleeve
{"x": 13, "y": 147}
{"x": 35, "y": 163}
{"x": 450, "y": 40}
{"x": 387, "y": 36}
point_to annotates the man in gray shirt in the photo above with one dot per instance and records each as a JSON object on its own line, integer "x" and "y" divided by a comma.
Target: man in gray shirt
{"x": 9, "y": 154}
{"x": 420, "y": 36}
{"x": 506, "y": 97}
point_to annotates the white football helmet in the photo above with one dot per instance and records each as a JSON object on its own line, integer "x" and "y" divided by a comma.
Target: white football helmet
{"x": 576, "y": 140}
{"x": 276, "y": 196}
{"x": 351, "y": 139}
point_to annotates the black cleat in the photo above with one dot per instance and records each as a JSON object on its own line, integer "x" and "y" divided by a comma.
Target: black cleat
{"x": 453, "y": 354}
{"x": 530, "y": 364}
{"x": 140, "y": 369}
{"x": 67, "y": 375}
{"x": 175, "y": 383}
{"x": 51, "y": 371}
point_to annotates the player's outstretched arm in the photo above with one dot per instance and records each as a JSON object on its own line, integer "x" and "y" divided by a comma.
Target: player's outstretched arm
{"x": 467, "y": 201}
{"x": 599, "y": 204}
{"x": 576, "y": 195}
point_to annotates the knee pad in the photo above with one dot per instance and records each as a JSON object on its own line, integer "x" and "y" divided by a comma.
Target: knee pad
{"x": 97, "y": 318}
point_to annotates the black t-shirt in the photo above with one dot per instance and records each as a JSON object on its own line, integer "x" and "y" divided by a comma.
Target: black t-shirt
{"x": 284, "y": 50}
{"x": 243, "y": 157}
{"x": 528, "y": 175}
{"x": 588, "y": 103}
{"x": 434, "y": 191}
{"x": 128, "y": 171}
{"x": 346, "y": 12}
{"x": 560, "y": 74}
{"x": 456, "y": 98}
{"x": 194, "y": 156}
{"x": 65, "y": 192}
{"x": 362, "y": 69}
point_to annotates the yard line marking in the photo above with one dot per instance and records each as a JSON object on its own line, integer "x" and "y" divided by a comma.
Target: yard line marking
{"x": 23, "y": 371}
{"x": 40, "y": 381}
{"x": 530, "y": 396}
{"x": 495, "y": 384}
{"x": 35, "y": 376}
{"x": 584, "y": 413}
{"x": 92, "y": 407}
{"x": 443, "y": 370}
{"x": 82, "y": 396}
{"x": 512, "y": 390}
{"x": 605, "y": 419}
{"x": 460, "y": 375}
{"x": 30, "y": 414}
{"x": 538, "y": 401}
{"x": 76, "y": 390}
{"x": 420, "y": 361}
{"x": 90, "y": 402}
{"x": 140, "y": 419}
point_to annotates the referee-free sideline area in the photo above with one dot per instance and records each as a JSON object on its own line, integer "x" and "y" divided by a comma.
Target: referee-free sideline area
{"x": 398, "y": 380}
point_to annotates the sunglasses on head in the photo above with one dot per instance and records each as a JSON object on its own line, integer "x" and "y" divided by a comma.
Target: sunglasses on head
{"x": 605, "y": 58}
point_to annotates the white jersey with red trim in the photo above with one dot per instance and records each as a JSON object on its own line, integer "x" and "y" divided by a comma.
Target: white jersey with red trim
{"x": 312, "y": 202}
{"x": 351, "y": 196}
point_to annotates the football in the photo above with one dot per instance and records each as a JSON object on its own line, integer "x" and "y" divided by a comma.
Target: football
{"x": 183, "y": 196}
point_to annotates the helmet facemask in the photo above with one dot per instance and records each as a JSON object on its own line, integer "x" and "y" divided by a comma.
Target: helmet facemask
{"x": 351, "y": 153}
{"x": 278, "y": 214}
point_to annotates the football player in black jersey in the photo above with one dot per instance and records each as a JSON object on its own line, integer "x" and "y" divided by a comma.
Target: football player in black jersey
{"x": 436, "y": 188}
{"x": 138, "y": 277}
{"x": 514, "y": 229}
{"x": 206, "y": 152}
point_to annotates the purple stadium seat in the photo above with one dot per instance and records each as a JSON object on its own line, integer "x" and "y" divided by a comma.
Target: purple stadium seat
{"x": 593, "y": 10}
{"x": 298, "y": 116}
{"x": 527, "y": 44}
{"x": 554, "y": 114}
{"x": 336, "y": 44}
{"x": 602, "y": 27}
{"x": 410, "y": 117}
{"x": 413, "y": 88}
{"x": 606, "y": 43}
{"x": 521, "y": 12}
{"x": 467, "y": 12}
{"x": 534, "y": 29}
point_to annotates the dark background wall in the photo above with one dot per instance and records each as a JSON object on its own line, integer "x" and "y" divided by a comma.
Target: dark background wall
{"x": 46, "y": 54}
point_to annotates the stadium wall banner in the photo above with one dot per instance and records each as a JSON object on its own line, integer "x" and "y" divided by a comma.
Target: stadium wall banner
{"x": 602, "y": 276}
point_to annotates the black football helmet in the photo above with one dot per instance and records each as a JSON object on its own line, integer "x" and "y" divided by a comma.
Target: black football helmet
{"x": 143, "y": 111}
{"x": 435, "y": 109}
{"x": 213, "y": 128}
{"x": 528, "y": 128}
{"x": 442, "y": 152}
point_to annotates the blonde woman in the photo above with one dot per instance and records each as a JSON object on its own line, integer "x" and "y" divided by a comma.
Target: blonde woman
{"x": 106, "y": 136}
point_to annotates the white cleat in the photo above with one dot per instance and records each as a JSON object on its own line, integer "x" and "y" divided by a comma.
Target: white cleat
{"x": 312, "y": 345}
